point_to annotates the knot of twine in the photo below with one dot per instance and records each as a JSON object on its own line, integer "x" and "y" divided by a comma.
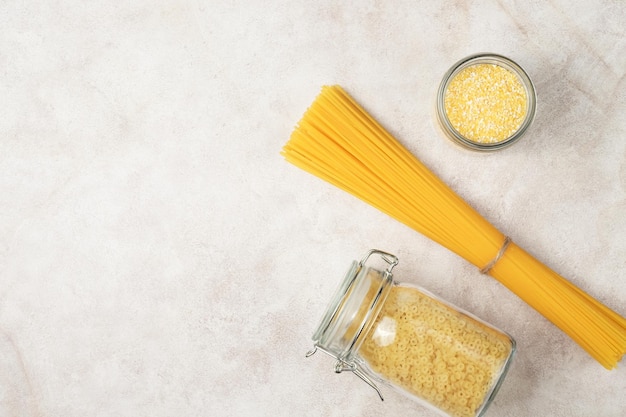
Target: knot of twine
{"x": 491, "y": 264}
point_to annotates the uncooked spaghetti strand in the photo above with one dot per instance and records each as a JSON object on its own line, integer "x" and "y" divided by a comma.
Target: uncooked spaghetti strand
{"x": 397, "y": 158}
{"x": 543, "y": 289}
{"x": 435, "y": 185}
{"x": 376, "y": 200}
{"x": 456, "y": 247}
{"x": 410, "y": 161}
{"x": 314, "y": 114}
{"x": 306, "y": 164}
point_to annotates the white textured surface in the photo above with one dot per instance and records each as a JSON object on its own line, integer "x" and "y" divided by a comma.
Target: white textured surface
{"x": 159, "y": 258}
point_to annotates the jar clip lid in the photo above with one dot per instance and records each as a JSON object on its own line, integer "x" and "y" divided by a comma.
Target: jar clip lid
{"x": 342, "y": 364}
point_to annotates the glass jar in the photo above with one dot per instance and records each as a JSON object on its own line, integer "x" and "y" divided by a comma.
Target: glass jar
{"x": 485, "y": 102}
{"x": 403, "y": 336}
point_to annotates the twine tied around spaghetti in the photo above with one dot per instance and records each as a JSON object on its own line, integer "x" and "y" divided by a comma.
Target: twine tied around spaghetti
{"x": 494, "y": 261}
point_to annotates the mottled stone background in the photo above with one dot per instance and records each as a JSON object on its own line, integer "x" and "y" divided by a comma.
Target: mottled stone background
{"x": 159, "y": 258}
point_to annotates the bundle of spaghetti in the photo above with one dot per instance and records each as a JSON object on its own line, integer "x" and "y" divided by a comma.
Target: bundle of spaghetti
{"x": 338, "y": 141}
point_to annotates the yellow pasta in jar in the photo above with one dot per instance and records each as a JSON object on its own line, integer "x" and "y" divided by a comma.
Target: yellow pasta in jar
{"x": 438, "y": 354}
{"x": 381, "y": 329}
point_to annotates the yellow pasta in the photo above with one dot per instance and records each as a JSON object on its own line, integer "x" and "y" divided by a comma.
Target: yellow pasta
{"x": 455, "y": 374}
{"x": 338, "y": 141}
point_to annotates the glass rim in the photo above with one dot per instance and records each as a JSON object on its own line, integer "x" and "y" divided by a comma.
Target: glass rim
{"x": 486, "y": 58}
{"x": 344, "y": 306}
{"x": 333, "y": 308}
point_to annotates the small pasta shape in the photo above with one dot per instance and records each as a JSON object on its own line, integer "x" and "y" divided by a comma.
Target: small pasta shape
{"x": 438, "y": 354}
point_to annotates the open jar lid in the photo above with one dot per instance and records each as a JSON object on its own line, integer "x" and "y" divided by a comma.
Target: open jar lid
{"x": 485, "y": 102}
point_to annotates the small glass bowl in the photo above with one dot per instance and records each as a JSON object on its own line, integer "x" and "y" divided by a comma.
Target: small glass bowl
{"x": 493, "y": 59}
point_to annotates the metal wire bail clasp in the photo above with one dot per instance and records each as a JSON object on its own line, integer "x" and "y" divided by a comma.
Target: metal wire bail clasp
{"x": 341, "y": 366}
{"x": 392, "y": 260}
